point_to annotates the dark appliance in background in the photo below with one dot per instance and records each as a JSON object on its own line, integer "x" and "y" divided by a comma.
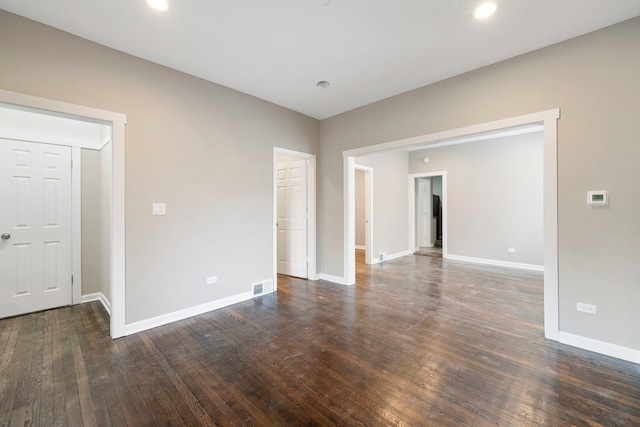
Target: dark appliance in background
{"x": 437, "y": 214}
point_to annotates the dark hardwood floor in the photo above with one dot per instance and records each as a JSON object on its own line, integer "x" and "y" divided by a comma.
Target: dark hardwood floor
{"x": 419, "y": 341}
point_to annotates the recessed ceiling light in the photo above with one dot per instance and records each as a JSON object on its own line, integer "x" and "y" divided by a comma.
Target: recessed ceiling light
{"x": 161, "y": 5}
{"x": 485, "y": 10}
{"x": 323, "y": 83}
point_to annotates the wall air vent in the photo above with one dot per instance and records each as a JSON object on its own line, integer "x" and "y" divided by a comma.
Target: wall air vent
{"x": 257, "y": 289}
{"x": 261, "y": 288}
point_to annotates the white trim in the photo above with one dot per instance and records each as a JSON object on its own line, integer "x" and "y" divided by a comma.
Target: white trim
{"x": 117, "y": 122}
{"x": 368, "y": 211}
{"x": 27, "y": 124}
{"x": 76, "y": 224}
{"x": 601, "y": 347}
{"x": 98, "y": 296}
{"x": 393, "y": 256}
{"x": 154, "y": 322}
{"x": 550, "y": 221}
{"x": 482, "y": 137}
{"x": 412, "y": 209}
{"x": 118, "y": 260}
{"x": 362, "y": 248}
{"x": 349, "y": 220}
{"x": 312, "y": 269}
{"x": 548, "y": 119}
{"x": 312, "y": 264}
{"x": 499, "y": 263}
{"x": 540, "y": 117}
{"x": 333, "y": 279}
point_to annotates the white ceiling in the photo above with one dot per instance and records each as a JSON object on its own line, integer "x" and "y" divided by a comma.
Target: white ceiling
{"x": 368, "y": 49}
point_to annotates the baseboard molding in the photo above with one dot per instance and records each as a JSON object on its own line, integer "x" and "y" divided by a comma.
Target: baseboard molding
{"x": 392, "y": 256}
{"x": 98, "y": 296}
{"x": 361, "y": 247}
{"x": 495, "y": 262}
{"x": 333, "y": 279}
{"x": 154, "y": 322}
{"x": 608, "y": 349}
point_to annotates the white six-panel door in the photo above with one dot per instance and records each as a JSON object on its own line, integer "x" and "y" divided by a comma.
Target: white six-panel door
{"x": 35, "y": 223}
{"x": 292, "y": 218}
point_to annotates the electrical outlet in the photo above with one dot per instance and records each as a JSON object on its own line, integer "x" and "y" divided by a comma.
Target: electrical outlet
{"x": 511, "y": 250}
{"x": 587, "y": 308}
{"x": 382, "y": 256}
{"x": 211, "y": 280}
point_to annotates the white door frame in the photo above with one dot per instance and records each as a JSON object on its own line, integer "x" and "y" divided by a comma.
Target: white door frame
{"x": 368, "y": 211}
{"x": 117, "y": 234}
{"x": 412, "y": 208}
{"x": 423, "y": 228}
{"x": 311, "y": 211}
{"x": 549, "y": 120}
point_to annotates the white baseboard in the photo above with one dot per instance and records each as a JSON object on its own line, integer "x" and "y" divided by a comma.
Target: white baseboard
{"x": 498, "y": 263}
{"x": 361, "y": 247}
{"x": 601, "y": 347}
{"x": 333, "y": 279}
{"x": 154, "y": 322}
{"x": 392, "y": 256}
{"x": 98, "y": 296}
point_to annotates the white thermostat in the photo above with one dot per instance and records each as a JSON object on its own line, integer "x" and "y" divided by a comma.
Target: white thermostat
{"x": 597, "y": 198}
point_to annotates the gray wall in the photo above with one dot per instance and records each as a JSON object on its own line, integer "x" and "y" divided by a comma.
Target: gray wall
{"x": 360, "y": 209}
{"x": 91, "y": 223}
{"x": 96, "y": 205}
{"x": 494, "y": 196}
{"x": 203, "y": 149}
{"x": 390, "y": 201}
{"x": 594, "y": 80}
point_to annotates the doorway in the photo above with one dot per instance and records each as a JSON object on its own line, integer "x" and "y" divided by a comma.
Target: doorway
{"x": 115, "y": 123}
{"x": 294, "y": 203}
{"x": 548, "y": 120}
{"x": 364, "y": 211}
{"x": 428, "y": 218}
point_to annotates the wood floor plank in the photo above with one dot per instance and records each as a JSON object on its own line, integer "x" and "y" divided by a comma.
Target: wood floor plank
{"x": 57, "y": 368}
{"x": 137, "y": 411}
{"x": 47, "y": 395}
{"x": 419, "y": 341}
{"x": 72, "y": 411}
{"x": 8, "y": 382}
{"x": 97, "y": 356}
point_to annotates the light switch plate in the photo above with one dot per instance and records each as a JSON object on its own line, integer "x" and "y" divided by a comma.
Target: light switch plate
{"x": 159, "y": 209}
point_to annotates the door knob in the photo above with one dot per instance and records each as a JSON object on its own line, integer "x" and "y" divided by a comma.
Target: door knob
{"x": 5, "y": 236}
